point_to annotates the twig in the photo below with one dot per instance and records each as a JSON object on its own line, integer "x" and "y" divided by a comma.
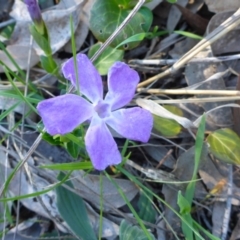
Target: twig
{"x": 190, "y": 92}
{"x": 164, "y": 62}
{"x": 197, "y": 100}
{"x": 228, "y": 25}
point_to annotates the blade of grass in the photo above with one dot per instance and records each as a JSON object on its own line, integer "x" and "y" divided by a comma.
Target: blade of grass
{"x": 198, "y": 151}
{"x": 19, "y": 92}
{"x": 140, "y": 185}
{"x": 129, "y": 205}
{"x": 74, "y": 54}
{"x": 33, "y": 194}
{"x": 12, "y": 59}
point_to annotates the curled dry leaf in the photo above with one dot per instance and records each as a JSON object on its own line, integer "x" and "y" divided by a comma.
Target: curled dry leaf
{"x": 158, "y": 110}
{"x": 57, "y": 20}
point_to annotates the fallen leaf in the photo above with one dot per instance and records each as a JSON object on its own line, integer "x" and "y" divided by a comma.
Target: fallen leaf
{"x": 160, "y": 111}
{"x": 224, "y": 145}
{"x": 57, "y": 20}
{"x": 222, "y": 5}
{"x": 88, "y": 186}
{"x": 229, "y": 43}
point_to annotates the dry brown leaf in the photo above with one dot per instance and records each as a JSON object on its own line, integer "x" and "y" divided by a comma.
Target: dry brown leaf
{"x": 57, "y": 20}
{"x": 88, "y": 186}
{"x": 175, "y": 15}
{"x": 222, "y": 5}
{"x": 82, "y": 29}
{"x": 199, "y": 72}
{"x": 198, "y": 23}
{"x": 230, "y": 42}
{"x": 20, "y": 55}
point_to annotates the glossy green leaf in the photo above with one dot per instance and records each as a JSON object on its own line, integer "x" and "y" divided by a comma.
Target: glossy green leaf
{"x": 108, "y": 57}
{"x": 106, "y": 16}
{"x": 146, "y": 210}
{"x": 141, "y": 36}
{"x": 130, "y": 3}
{"x": 129, "y": 232}
{"x": 224, "y": 145}
{"x": 73, "y": 210}
{"x": 135, "y": 38}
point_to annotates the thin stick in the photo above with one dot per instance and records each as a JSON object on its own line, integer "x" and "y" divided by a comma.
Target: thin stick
{"x": 228, "y": 25}
{"x": 190, "y": 92}
{"x": 197, "y": 100}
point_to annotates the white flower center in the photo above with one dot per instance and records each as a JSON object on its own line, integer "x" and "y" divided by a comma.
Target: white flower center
{"x": 102, "y": 109}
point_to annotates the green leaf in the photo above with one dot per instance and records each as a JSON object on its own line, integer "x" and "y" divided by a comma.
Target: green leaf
{"x": 108, "y": 57}
{"x": 42, "y": 42}
{"x": 69, "y": 166}
{"x": 185, "y": 209}
{"x": 200, "y": 154}
{"x": 56, "y": 235}
{"x": 188, "y": 34}
{"x": 73, "y": 210}
{"x": 7, "y": 31}
{"x": 224, "y": 145}
{"x": 146, "y": 209}
{"x": 173, "y": 109}
{"x": 135, "y": 38}
{"x": 106, "y": 16}
{"x": 73, "y": 149}
{"x": 50, "y": 139}
{"x": 128, "y": 232}
{"x": 48, "y": 64}
{"x": 167, "y": 127}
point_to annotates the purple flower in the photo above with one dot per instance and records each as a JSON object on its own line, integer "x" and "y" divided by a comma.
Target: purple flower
{"x": 63, "y": 114}
{"x": 35, "y": 14}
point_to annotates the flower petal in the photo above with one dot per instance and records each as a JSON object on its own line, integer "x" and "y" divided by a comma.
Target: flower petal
{"x": 100, "y": 145}
{"x": 64, "y": 113}
{"x": 122, "y": 83}
{"x": 89, "y": 79}
{"x": 132, "y": 123}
